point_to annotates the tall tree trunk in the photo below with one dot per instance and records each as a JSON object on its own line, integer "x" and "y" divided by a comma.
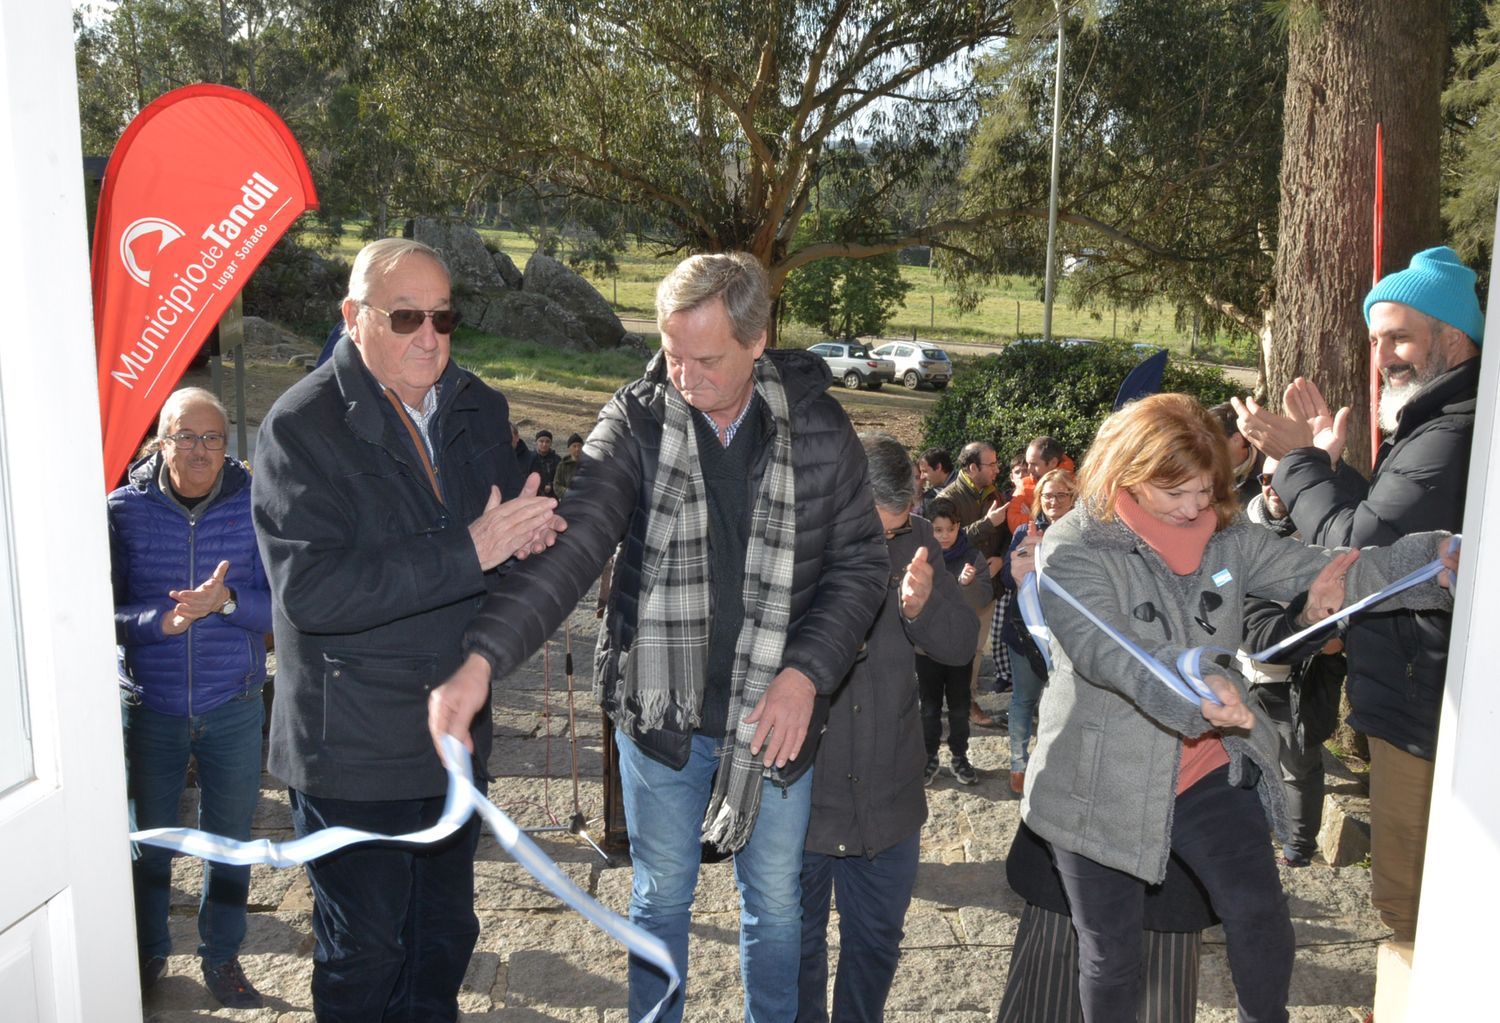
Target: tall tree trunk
{"x": 1352, "y": 63}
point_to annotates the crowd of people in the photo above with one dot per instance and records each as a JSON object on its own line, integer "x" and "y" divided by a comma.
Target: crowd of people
{"x": 796, "y": 616}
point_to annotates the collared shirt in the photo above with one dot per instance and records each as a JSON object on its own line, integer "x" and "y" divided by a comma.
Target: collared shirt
{"x": 726, "y": 435}
{"x": 423, "y": 416}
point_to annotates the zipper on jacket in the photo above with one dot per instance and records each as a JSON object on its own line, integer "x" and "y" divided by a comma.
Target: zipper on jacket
{"x": 192, "y": 574}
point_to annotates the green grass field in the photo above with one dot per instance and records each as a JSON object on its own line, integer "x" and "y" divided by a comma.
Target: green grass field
{"x": 499, "y": 360}
{"x": 929, "y": 311}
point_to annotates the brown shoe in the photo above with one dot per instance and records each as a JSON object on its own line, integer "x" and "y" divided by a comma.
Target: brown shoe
{"x": 1018, "y": 782}
{"x": 980, "y": 718}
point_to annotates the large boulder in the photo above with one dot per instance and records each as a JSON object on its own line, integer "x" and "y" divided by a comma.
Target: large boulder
{"x": 509, "y": 272}
{"x": 522, "y": 316}
{"x": 546, "y": 276}
{"x": 469, "y": 263}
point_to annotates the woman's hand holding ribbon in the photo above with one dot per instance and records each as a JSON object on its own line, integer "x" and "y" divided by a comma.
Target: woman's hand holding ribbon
{"x": 1230, "y": 711}
{"x": 1448, "y": 551}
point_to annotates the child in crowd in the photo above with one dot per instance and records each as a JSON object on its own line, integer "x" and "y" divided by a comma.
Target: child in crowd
{"x": 940, "y": 682}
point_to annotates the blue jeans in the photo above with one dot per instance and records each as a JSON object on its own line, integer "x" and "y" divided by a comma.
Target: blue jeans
{"x": 1220, "y": 833}
{"x": 664, "y": 817}
{"x": 226, "y": 744}
{"x": 395, "y": 925}
{"x": 1026, "y": 691}
{"x": 873, "y": 895}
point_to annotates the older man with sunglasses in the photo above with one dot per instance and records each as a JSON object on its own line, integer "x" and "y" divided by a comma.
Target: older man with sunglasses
{"x": 386, "y": 495}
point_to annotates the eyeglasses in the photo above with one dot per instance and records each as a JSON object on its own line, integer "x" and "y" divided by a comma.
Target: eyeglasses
{"x": 1265, "y": 478}
{"x": 1065, "y": 495}
{"x": 409, "y": 321}
{"x": 188, "y": 441}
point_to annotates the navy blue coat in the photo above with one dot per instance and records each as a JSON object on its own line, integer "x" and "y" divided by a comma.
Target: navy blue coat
{"x": 157, "y": 545}
{"x": 374, "y": 577}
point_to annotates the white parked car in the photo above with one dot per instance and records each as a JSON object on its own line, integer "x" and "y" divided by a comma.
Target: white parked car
{"x": 918, "y": 364}
{"x": 853, "y": 363}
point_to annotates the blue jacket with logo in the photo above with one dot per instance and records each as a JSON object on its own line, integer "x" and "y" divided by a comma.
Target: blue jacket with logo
{"x": 156, "y": 546}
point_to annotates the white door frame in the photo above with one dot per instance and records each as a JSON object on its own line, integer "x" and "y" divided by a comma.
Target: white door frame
{"x": 67, "y": 934}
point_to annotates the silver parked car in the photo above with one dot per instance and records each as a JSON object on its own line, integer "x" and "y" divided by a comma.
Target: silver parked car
{"x": 918, "y": 364}
{"x": 851, "y": 362}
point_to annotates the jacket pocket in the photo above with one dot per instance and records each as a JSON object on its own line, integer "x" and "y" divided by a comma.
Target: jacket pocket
{"x": 375, "y": 703}
{"x": 1086, "y": 767}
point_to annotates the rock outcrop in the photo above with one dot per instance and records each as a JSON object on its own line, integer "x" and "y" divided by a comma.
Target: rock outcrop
{"x": 546, "y": 276}
{"x": 548, "y": 304}
{"x": 526, "y": 317}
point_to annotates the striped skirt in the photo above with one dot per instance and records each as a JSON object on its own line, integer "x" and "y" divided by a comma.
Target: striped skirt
{"x": 1043, "y": 983}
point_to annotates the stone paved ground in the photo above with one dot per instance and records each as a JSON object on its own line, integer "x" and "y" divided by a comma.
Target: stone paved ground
{"x": 537, "y": 962}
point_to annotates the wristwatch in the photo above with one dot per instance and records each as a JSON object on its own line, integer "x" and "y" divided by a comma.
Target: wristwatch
{"x": 229, "y": 606}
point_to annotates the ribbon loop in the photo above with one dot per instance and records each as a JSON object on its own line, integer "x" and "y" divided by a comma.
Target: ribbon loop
{"x": 462, "y": 800}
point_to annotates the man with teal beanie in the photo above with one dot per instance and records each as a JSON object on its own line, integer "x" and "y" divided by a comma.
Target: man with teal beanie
{"x": 1425, "y": 332}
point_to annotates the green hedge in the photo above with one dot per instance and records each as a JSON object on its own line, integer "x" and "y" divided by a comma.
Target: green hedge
{"x": 1037, "y": 388}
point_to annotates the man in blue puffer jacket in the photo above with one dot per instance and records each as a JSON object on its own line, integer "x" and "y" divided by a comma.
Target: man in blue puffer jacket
{"x": 192, "y": 607}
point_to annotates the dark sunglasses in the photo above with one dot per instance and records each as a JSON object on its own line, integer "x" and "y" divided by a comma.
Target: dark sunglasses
{"x": 1265, "y": 479}
{"x": 409, "y": 321}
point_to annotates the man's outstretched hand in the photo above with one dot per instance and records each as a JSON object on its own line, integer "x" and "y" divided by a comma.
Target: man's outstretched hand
{"x": 451, "y": 706}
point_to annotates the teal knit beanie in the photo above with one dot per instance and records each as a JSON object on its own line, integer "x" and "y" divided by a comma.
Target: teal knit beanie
{"x": 1437, "y": 284}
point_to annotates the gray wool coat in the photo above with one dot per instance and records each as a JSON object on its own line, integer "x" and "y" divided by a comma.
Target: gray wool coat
{"x": 1102, "y": 781}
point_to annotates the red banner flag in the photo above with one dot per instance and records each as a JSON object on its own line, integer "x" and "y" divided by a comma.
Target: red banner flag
{"x": 201, "y": 185}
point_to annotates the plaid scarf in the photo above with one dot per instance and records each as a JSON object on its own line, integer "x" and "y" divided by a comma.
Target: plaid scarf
{"x": 664, "y": 674}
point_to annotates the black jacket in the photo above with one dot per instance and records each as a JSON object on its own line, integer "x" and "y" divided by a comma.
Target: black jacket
{"x": 545, "y": 466}
{"x": 1397, "y": 659}
{"x": 373, "y": 579}
{"x": 840, "y": 566}
{"x": 868, "y": 792}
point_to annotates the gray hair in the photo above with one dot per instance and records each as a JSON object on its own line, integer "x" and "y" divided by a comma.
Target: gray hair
{"x": 381, "y": 257}
{"x": 736, "y": 277}
{"x": 179, "y": 402}
{"x": 892, "y": 477}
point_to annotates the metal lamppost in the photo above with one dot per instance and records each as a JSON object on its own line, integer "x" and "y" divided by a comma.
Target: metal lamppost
{"x": 1051, "y": 286}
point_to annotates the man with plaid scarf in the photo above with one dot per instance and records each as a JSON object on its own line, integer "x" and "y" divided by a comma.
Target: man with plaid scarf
{"x": 750, "y": 566}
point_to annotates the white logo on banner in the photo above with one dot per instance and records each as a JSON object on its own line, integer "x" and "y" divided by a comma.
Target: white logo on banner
{"x": 167, "y": 233}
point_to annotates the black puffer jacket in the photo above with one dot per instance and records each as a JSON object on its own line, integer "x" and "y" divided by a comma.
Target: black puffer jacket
{"x": 868, "y": 792}
{"x": 1397, "y": 659}
{"x": 838, "y": 580}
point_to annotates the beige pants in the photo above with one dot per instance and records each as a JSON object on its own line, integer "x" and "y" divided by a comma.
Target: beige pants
{"x": 1400, "y": 794}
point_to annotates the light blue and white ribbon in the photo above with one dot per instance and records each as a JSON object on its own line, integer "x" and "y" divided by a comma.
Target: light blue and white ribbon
{"x": 463, "y": 799}
{"x": 1186, "y": 677}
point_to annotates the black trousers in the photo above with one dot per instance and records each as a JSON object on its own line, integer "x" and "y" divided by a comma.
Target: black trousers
{"x": 395, "y": 925}
{"x": 937, "y": 683}
{"x": 1219, "y": 832}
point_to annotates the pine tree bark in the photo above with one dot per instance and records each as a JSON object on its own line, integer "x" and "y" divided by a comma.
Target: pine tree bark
{"x": 1352, "y": 64}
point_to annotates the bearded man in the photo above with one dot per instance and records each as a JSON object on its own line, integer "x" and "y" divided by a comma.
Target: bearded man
{"x": 1425, "y": 331}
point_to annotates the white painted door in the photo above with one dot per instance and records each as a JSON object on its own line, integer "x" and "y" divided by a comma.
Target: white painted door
{"x": 67, "y": 938}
